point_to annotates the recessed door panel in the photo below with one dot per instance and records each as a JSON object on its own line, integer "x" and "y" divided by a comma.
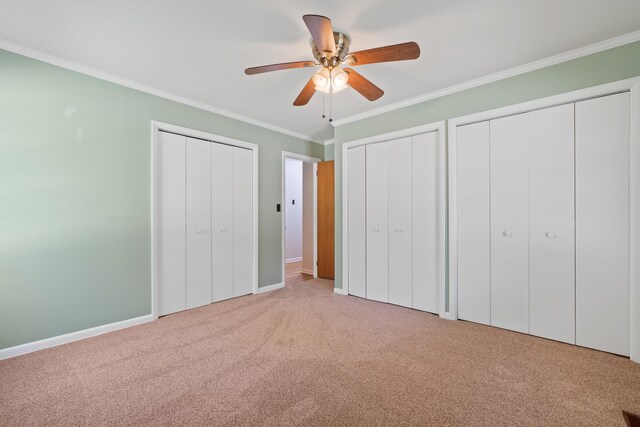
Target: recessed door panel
{"x": 602, "y": 223}
{"x": 425, "y": 206}
{"x": 357, "y": 223}
{"x": 400, "y": 222}
{"x": 198, "y": 191}
{"x": 510, "y": 223}
{"x": 551, "y": 224}
{"x": 222, "y": 221}
{"x": 171, "y": 217}
{"x": 474, "y": 223}
{"x": 377, "y": 222}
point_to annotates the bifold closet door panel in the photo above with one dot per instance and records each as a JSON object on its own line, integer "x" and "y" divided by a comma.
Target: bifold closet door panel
{"x": 400, "y": 222}
{"x": 171, "y": 218}
{"x": 602, "y": 223}
{"x": 357, "y": 244}
{"x": 222, "y": 222}
{"x": 551, "y": 224}
{"x": 425, "y": 222}
{"x": 377, "y": 222}
{"x": 198, "y": 222}
{"x": 242, "y": 221}
{"x": 510, "y": 223}
{"x": 474, "y": 240}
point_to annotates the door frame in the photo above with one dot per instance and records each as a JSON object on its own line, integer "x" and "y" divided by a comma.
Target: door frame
{"x": 307, "y": 159}
{"x": 156, "y": 127}
{"x": 442, "y": 201}
{"x": 632, "y": 86}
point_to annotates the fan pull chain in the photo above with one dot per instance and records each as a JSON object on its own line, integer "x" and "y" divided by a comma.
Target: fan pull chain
{"x": 323, "y": 105}
{"x": 330, "y": 104}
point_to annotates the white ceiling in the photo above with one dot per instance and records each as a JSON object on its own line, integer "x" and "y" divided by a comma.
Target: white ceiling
{"x": 198, "y": 49}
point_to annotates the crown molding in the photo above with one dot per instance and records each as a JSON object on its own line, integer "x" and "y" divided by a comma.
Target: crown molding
{"x": 74, "y": 66}
{"x": 521, "y": 69}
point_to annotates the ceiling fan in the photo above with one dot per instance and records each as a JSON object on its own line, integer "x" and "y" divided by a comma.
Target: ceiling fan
{"x": 331, "y": 51}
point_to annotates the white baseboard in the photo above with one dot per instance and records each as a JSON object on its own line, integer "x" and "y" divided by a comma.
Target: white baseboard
{"x": 269, "y": 288}
{"x": 72, "y": 336}
{"x": 308, "y": 271}
{"x": 290, "y": 260}
{"x": 339, "y": 291}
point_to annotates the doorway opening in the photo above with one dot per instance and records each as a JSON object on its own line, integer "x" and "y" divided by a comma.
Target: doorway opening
{"x": 299, "y": 217}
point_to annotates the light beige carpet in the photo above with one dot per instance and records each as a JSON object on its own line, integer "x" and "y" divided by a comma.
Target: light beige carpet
{"x": 306, "y": 356}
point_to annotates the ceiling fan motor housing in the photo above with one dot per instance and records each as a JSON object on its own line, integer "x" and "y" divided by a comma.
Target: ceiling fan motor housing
{"x": 342, "y": 50}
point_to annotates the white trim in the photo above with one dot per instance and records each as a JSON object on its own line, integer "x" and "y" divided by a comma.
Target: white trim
{"x": 74, "y": 66}
{"x": 329, "y": 141}
{"x": 633, "y": 86}
{"x": 340, "y": 291}
{"x": 315, "y": 221}
{"x": 72, "y": 336}
{"x": 308, "y": 272}
{"x": 156, "y": 127}
{"x": 522, "y": 69}
{"x": 289, "y": 155}
{"x": 290, "y": 260}
{"x": 634, "y": 234}
{"x": 418, "y": 130}
{"x": 269, "y": 288}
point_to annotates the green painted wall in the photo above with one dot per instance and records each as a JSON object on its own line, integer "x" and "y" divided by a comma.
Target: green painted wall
{"x": 603, "y": 67}
{"x": 75, "y": 246}
{"x": 329, "y": 152}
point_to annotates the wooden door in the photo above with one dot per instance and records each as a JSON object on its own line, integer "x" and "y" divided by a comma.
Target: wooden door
{"x": 509, "y": 162}
{"x": 222, "y": 222}
{"x": 326, "y": 215}
{"x": 602, "y": 223}
{"x": 551, "y": 225}
{"x": 242, "y": 221}
{"x": 400, "y": 222}
{"x": 356, "y": 218}
{"x": 426, "y": 227}
{"x": 171, "y": 224}
{"x": 198, "y": 190}
{"x": 377, "y": 182}
{"x": 474, "y": 223}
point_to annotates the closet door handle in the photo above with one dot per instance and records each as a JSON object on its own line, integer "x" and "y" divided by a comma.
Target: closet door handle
{"x": 550, "y": 235}
{"x": 375, "y": 230}
{"x": 398, "y": 230}
{"x": 200, "y": 231}
{"x": 507, "y": 233}
{"x": 224, "y": 230}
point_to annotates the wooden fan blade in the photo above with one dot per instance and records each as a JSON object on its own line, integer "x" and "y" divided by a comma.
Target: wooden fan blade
{"x": 396, "y": 52}
{"x": 277, "y": 67}
{"x": 306, "y": 94}
{"x": 322, "y": 32}
{"x": 363, "y": 86}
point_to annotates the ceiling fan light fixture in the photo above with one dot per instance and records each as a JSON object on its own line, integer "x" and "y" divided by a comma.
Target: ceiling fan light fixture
{"x": 339, "y": 78}
{"x": 330, "y": 81}
{"x": 322, "y": 78}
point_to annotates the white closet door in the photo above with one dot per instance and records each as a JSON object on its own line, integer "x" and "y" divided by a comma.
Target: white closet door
{"x": 425, "y": 221}
{"x": 242, "y": 221}
{"x": 357, "y": 248}
{"x": 171, "y": 244}
{"x": 377, "y": 223}
{"x": 474, "y": 241}
{"x": 510, "y": 223}
{"x": 551, "y": 224}
{"x": 602, "y": 223}
{"x": 198, "y": 222}
{"x": 400, "y": 222}
{"x": 222, "y": 222}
